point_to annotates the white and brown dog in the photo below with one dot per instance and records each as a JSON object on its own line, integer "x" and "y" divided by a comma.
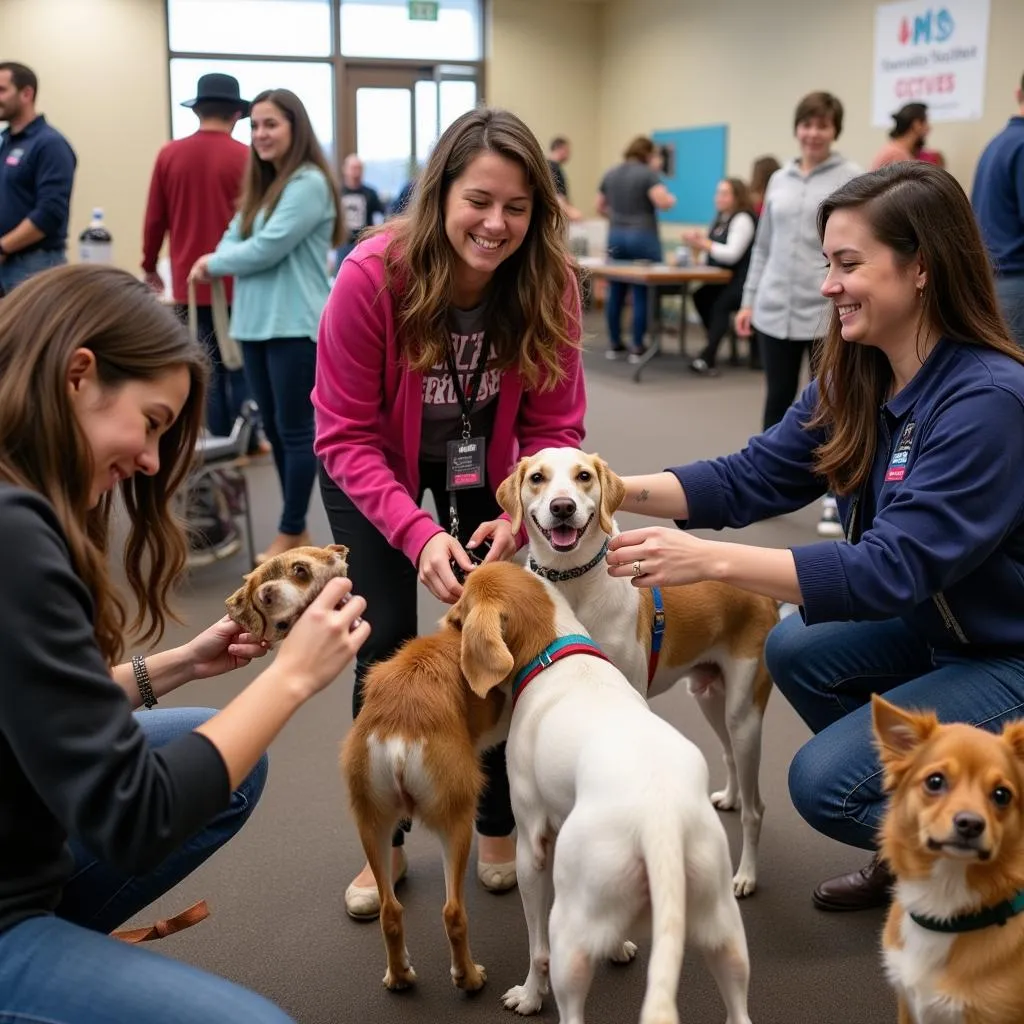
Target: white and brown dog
{"x": 278, "y": 590}
{"x": 711, "y": 633}
{"x": 613, "y": 822}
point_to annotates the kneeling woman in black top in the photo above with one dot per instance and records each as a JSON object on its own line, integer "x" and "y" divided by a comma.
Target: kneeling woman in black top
{"x": 728, "y": 244}
{"x": 103, "y": 810}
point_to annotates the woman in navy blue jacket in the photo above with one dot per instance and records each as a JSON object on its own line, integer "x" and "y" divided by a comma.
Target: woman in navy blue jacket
{"x": 916, "y": 421}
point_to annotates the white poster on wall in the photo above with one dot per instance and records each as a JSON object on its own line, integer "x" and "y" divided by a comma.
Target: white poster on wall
{"x": 931, "y": 52}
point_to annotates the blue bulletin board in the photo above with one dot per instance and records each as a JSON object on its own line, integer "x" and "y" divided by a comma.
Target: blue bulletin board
{"x": 698, "y": 165}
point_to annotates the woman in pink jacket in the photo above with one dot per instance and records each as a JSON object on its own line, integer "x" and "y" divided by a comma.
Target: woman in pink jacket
{"x": 448, "y": 349}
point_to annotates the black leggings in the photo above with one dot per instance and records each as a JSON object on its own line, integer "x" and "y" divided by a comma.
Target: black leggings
{"x": 783, "y": 359}
{"x": 388, "y": 581}
{"x": 715, "y": 303}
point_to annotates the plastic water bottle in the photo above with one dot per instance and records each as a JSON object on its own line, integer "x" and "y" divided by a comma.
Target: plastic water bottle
{"x": 95, "y": 243}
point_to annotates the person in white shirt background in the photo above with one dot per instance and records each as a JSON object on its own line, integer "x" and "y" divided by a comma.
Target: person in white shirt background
{"x": 728, "y": 244}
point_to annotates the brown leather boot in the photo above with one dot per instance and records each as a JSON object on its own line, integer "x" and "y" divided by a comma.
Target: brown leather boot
{"x": 859, "y": 890}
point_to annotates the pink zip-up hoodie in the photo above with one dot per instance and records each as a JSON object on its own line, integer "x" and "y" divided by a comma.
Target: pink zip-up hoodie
{"x": 369, "y": 404}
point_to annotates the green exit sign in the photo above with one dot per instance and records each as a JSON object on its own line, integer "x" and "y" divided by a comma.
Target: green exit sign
{"x": 423, "y": 10}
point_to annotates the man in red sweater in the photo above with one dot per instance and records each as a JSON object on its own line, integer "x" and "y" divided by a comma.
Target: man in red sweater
{"x": 193, "y": 194}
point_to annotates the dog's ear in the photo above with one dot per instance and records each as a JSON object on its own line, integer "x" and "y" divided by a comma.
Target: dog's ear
{"x": 242, "y": 610}
{"x": 898, "y": 733}
{"x": 486, "y": 660}
{"x": 1013, "y": 734}
{"x": 510, "y": 495}
{"x": 613, "y": 490}
{"x": 338, "y": 549}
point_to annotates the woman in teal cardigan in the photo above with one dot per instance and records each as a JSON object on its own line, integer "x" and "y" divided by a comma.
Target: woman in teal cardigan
{"x": 276, "y": 249}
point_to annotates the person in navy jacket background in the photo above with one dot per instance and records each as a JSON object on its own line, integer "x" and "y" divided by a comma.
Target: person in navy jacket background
{"x": 916, "y": 421}
{"x": 37, "y": 171}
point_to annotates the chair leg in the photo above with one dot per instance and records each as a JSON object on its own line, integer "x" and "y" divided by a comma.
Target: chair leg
{"x": 250, "y": 543}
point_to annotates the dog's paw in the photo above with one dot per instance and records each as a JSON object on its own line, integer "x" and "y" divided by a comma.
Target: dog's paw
{"x": 743, "y": 884}
{"x": 726, "y": 799}
{"x": 625, "y": 953}
{"x": 402, "y": 977}
{"x": 522, "y": 1000}
{"x": 471, "y": 980}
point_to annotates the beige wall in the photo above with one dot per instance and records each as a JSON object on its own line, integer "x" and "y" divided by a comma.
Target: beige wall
{"x": 545, "y": 65}
{"x": 102, "y": 67}
{"x": 598, "y": 73}
{"x": 680, "y": 63}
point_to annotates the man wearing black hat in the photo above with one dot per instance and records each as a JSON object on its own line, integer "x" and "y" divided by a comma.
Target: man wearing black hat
{"x": 193, "y": 194}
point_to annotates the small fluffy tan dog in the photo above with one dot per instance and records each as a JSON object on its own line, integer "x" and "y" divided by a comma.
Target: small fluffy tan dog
{"x": 954, "y": 838}
{"x": 714, "y": 634}
{"x": 412, "y": 752}
{"x": 276, "y": 592}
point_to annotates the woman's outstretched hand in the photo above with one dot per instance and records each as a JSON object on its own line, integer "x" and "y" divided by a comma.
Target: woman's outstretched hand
{"x": 664, "y": 557}
{"x": 435, "y": 567}
{"x": 499, "y": 533}
{"x": 325, "y": 637}
{"x": 222, "y": 647}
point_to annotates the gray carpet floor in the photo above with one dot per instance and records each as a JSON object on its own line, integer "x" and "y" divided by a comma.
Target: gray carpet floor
{"x": 278, "y": 924}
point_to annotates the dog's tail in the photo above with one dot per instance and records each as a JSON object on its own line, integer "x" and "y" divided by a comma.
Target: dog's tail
{"x": 661, "y": 844}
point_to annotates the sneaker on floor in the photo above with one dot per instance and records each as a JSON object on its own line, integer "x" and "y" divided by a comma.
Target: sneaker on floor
{"x": 830, "y": 525}
{"x": 636, "y": 355}
{"x": 702, "y": 367}
{"x": 615, "y": 353}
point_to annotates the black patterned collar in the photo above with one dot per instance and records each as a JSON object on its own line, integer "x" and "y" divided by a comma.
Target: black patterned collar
{"x": 561, "y": 575}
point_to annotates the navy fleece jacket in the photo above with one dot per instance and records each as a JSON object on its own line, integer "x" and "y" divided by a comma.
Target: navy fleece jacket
{"x": 937, "y": 532}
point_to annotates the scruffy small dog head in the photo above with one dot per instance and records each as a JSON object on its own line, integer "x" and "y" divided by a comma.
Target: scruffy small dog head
{"x": 278, "y": 591}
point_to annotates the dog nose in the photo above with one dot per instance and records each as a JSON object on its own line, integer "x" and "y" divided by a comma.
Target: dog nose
{"x": 968, "y": 825}
{"x": 562, "y": 508}
{"x": 267, "y": 596}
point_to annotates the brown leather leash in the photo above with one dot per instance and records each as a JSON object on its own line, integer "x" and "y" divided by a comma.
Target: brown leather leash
{"x": 167, "y": 926}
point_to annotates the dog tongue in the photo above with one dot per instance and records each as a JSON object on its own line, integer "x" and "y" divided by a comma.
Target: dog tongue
{"x": 564, "y": 536}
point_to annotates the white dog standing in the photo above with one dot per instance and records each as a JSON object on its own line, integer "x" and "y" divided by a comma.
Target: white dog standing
{"x": 711, "y": 633}
{"x": 610, "y": 804}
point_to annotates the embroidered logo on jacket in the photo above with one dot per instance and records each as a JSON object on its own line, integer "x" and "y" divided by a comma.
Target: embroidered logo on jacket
{"x": 901, "y": 455}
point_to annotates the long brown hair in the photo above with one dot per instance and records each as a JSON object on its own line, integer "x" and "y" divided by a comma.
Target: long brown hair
{"x": 263, "y": 185}
{"x": 640, "y": 148}
{"x": 741, "y": 201}
{"x": 526, "y": 317}
{"x": 42, "y": 447}
{"x": 921, "y": 213}
{"x": 764, "y": 167}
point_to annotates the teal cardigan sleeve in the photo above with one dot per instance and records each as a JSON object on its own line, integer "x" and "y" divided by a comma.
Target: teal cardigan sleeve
{"x": 300, "y": 209}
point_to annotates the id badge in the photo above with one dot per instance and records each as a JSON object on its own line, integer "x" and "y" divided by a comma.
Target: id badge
{"x": 466, "y": 463}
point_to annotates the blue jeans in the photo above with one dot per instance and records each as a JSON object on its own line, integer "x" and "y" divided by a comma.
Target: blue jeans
{"x": 64, "y": 969}
{"x": 281, "y": 373}
{"x": 630, "y": 244}
{"x": 828, "y": 673}
{"x": 1010, "y": 292}
{"x": 20, "y": 267}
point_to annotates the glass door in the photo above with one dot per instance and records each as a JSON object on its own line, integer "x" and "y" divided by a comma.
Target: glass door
{"x": 395, "y": 114}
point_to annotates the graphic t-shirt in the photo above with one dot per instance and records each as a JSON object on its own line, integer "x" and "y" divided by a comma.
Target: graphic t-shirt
{"x": 359, "y": 207}
{"x": 442, "y": 413}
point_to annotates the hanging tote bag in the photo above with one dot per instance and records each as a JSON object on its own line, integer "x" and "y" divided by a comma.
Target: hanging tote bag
{"x": 230, "y": 350}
